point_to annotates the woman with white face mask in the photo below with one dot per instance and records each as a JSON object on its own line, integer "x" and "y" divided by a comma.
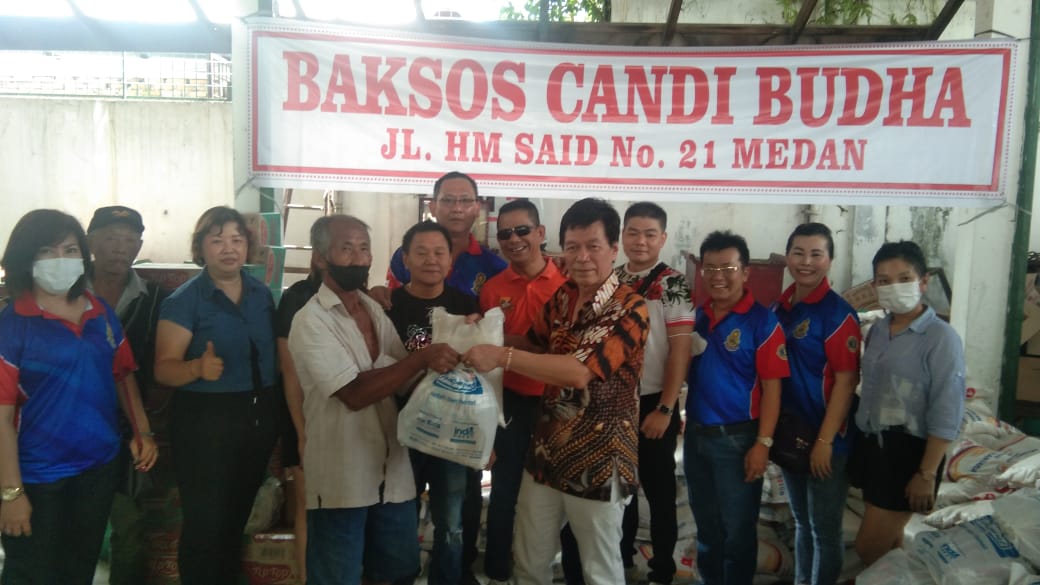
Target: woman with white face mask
{"x": 62, "y": 357}
{"x": 911, "y": 403}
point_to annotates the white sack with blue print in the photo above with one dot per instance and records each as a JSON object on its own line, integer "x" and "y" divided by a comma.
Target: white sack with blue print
{"x": 454, "y": 415}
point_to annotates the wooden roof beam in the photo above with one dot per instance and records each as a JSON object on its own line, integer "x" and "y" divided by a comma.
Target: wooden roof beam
{"x": 943, "y": 20}
{"x": 673, "y": 19}
{"x": 420, "y": 15}
{"x": 72, "y": 34}
{"x": 543, "y": 21}
{"x": 19, "y": 33}
{"x": 200, "y": 14}
{"x": 801, "y": 21}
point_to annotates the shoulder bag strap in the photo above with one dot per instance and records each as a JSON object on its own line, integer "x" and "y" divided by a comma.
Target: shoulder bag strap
{"x": 648, "y": 281}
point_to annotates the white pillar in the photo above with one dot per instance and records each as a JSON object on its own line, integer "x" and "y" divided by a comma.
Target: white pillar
{"x": 247, "y": 197}
{"x": 984, "y": 245}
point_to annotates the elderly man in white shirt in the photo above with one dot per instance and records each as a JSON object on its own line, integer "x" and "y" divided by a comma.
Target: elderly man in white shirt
{"x": 350, "y": 361}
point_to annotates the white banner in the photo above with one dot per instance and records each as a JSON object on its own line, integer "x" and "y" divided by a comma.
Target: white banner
{"x": 376, "y": 110}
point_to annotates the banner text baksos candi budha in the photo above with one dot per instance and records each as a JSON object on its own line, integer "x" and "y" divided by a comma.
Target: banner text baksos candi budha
{"x": 428, "y": 88}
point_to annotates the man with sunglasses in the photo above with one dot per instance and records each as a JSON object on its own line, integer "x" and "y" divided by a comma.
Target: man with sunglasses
{"x": 522, "y": 290}
{"x": 731, "y": 412}
{"x": 456, "y": 206}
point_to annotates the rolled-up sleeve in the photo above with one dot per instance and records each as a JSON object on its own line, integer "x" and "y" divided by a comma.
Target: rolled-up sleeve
{"x": 946, "y": 392}
{"x": 322, "y": 362}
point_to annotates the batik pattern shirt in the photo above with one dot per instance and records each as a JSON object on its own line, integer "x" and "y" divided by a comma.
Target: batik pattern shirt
{"x": 585, "y": 435}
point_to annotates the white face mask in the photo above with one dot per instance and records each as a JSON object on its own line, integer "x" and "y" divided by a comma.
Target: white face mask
{"x": 901, "y": 297}
{"x": 57, "y": 275}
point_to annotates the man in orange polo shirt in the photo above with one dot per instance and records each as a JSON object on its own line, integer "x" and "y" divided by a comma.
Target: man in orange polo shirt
{"x": 521, "y": 291}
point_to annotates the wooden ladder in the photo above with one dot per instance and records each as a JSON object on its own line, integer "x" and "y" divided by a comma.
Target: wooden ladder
{"x": 327, "y": 207}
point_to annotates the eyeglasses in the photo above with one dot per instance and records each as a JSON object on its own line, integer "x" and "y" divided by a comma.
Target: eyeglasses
{"x": 710, "y": 270}
{"x": 466, "y": 202}
{"x": 520, "y": 231}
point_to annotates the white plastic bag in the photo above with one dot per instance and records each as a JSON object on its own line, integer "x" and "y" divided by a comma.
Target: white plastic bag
{"x": 971, "y": 460}
{"x": 267, "y": 507}
{"x": 1018, "y": 515}
{"x": 974, "y": 552}
{"x": 1022, "y": 473}
{"x": 1022, "y": 575}
{"x": 896, "y": 568}
{"x": 454, "y": 415}
{"x": 950, "y": 516}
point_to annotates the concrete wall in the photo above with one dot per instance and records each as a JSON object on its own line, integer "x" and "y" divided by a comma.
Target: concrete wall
{"x": 169, "y": 160}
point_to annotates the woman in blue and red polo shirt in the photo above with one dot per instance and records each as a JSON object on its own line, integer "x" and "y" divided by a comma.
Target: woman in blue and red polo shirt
{"x": 62, "y": 355}
{"x": 823, "y": 339}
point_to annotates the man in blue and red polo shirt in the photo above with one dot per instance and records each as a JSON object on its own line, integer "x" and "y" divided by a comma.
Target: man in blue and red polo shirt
{"x": 456, "y": 207}
{"x": 731, "y": 411}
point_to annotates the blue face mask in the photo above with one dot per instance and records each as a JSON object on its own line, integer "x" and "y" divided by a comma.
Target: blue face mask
{"x": 349, "y": 278}
{"x": 57, "y": 275}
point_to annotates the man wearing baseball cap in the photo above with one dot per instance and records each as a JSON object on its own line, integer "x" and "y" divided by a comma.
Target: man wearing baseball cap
{"x": 114, "y": 235}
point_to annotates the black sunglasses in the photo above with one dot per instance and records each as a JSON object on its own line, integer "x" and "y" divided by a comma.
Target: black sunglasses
{"x": 520, "y": 231}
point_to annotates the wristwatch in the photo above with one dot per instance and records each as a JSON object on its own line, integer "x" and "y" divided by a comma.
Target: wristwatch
{"x": 10, "y": 494}
{"x": 767, "y": 441}
{"x": 665, "y": 409}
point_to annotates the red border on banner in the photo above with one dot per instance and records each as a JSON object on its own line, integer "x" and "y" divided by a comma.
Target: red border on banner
{"x": 952, "y": 189}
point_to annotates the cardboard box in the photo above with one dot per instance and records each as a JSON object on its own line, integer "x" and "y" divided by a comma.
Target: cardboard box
{"x": 862, "y": 297}
{"x": 266, "y": 227}
{"x": 168, "y": 275}
{"x": 269, "y": 558}
{"x": 162, "y": 533}
{"x": 1031, "y": 315}
{"x": 1028, "y": 379}
{"x": 269, "y": 268}
{"x": 1030, "y": 323}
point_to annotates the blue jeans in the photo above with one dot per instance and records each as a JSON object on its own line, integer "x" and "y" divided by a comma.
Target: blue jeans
{"x": 510, "y": 449}
{"x": 447, "y": 481}
{"x": 724, "y": 506}
{"x": 381, "y": 539}
{"x": 818, "y": 506}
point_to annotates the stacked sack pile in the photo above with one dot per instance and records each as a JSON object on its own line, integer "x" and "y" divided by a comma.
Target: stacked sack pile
{"x": 986, "y": 526}
{"x": 775, "y": 533}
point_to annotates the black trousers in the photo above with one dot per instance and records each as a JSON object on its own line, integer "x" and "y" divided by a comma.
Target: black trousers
{"x": 657, "y": 478}
{"x": 68, "y": 524}
{"x": 222, "y": 443}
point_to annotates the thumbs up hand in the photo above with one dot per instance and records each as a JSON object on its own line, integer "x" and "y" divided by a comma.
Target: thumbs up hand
{"x": 211, "y": 366}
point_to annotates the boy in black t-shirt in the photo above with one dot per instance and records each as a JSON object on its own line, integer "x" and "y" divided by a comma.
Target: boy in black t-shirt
{"x": 427, "y": 255}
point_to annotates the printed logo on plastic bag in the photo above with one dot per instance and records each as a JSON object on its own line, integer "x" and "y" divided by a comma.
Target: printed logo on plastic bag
{"x": 460, "y": 381}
